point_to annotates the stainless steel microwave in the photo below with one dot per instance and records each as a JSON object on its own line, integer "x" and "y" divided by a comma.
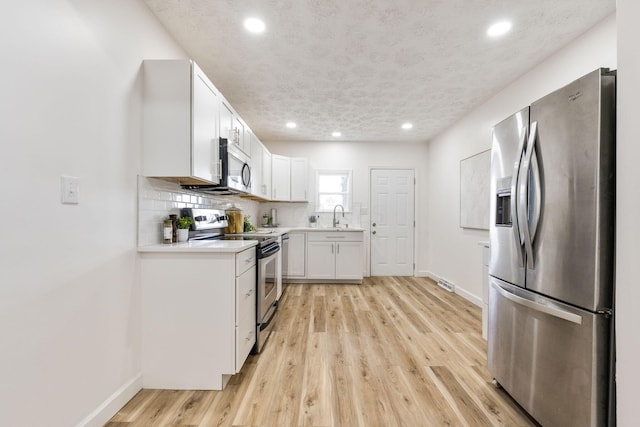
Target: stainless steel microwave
{"x": 235, "y": 173}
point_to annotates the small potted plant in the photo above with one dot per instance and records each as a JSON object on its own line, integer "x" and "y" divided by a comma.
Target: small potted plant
{"x": 183, "y": 224}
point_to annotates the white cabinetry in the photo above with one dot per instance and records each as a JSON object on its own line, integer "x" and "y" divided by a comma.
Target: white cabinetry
{"x": 233, "y": 128}
{"x": 334, "y": 255}
{"x": 180, "y": 122}
{"x": 260, "y": 169}
{"x": 198, "y": 317}
{"x": 485, "y": 289}
{"x": 245, "y": 305}
{"x": 289, "y": 178}
{"x": 280, "y": 178}
{"x": 298, "y": 179}
{"x": 296, "y": 255}
{"x": 266, "y": 173}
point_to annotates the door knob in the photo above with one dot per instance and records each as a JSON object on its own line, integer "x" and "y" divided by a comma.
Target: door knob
{"x": 374, "y": 232}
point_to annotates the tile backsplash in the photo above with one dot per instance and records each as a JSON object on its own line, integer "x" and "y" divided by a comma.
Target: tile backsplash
{"x": 157, "y": 199}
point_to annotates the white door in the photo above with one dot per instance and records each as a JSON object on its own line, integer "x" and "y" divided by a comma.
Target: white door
{"x": 392, "y": 222}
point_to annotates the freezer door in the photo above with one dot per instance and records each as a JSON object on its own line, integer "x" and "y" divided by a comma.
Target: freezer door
{"x": 507, "y": 259}
{"x": 550, "y": 357}
{"x": 572, "y": 248}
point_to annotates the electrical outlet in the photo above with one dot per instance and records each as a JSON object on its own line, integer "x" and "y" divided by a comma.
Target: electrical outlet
{"x": 70, "y": 187}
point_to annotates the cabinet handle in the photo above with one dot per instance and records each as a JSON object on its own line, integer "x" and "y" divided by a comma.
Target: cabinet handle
{"x": 332, "y": 248}
{"x": 373, "y": 232}
{"x": 338, "y": 248}
{"x": 374, "y": 224}
{"x": 248, "y": 294}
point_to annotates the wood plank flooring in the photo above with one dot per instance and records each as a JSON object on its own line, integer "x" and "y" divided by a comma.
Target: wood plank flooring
{"x": 394, "y": 351}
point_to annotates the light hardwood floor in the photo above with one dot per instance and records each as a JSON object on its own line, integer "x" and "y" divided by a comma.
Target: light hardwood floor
{"x": 394, "y": 351}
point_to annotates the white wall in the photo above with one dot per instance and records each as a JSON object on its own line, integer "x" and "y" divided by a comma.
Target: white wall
{"x": 454, "y": 252}
{"x": 628, "y": 206}
{"x": 358, "y": 157}
{"x": 69, "y": 295}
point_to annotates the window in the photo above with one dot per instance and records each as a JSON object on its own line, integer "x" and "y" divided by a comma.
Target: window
{"x": 333, "y": 187}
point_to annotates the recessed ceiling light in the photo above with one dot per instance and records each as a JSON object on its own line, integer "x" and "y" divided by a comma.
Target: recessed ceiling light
{"x": 336, "y": 134}
{"x": 499, "y": 28}
{"x": 254, "y": 25}
{"x": 407, "y": 126}
{"x": 291, "y": 125}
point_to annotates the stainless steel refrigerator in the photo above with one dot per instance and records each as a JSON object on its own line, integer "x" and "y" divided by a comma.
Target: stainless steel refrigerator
{"x": 551, "y": 265}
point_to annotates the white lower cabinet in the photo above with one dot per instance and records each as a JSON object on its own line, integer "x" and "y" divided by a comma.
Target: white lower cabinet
{"x": 321, "y": 260}
{"x": 198, "y": 317}
{"x": 246, "y": 272}
{"x": 334, "y": 255}
{"x": 296, "y": 255}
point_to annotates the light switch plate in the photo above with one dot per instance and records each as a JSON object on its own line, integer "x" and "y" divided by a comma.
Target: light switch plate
{"x": 70, "y": 188}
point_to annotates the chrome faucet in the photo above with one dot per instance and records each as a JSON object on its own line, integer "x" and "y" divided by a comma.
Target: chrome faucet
{"x": 335, "y": 221}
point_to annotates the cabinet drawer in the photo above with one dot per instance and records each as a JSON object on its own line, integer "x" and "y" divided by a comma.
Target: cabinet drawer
{"x": 245, "y": 334}
{"x": 245, "y": 260}
{"x": 334, "y": 236}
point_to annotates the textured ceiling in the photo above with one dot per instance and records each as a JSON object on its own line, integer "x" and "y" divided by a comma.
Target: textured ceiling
{"x": 364, "y": 67}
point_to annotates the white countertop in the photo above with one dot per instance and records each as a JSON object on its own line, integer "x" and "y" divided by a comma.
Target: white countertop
{"x": 278, "y": 231}
{"x": 235, "y": 246}
{"x": 217, "y": 246}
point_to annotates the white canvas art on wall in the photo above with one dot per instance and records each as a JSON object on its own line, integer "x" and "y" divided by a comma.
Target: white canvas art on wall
{"x": 474, "y": 190}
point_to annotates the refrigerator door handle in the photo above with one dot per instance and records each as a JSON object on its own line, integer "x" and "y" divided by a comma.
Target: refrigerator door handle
{"x": 523, "y": 195}
{"x": 552, "y": 311}
{"x": 537, "y": 196}
{"x": 514, "y": 199}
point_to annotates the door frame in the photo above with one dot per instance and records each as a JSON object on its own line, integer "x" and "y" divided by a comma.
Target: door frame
{"x": 415, "y": 216}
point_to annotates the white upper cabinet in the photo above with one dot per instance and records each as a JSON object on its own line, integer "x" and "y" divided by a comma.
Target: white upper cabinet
{"x": 288, "y": 178}
{"x": 266, "y": 173}
{"x": 298, "y": 179}
{"x": 234, "y": 129}
{"x": 280, "y": 178}
{"x": 260, "y": 169}
{"x": 180, "y": 122}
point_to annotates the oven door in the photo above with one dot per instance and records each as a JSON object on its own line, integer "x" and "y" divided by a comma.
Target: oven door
{"x": 266, "y": 304}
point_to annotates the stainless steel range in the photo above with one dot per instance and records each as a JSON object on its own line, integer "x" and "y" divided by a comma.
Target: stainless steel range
{"x": 209, "y": 225}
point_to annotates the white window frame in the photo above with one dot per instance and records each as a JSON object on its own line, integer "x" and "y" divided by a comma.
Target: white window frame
{"x": 348, "y": 194}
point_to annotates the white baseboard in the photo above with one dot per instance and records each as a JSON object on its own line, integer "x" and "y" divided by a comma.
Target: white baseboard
{"x": 474, "y": 299}
{"x": 469, "y": 296}
{"x": 113, "y": 404}
{"x": 423, "y": 273}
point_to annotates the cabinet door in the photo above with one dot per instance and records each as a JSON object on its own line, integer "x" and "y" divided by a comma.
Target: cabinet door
{"x": 238, "y": 129}
{"x": 204, "y": 144}
{"x": 246, "y": 141}
{"x": 321, "y": 260}
{"x": 299, "y": 179}
{"x": 281, "y": 178}
{"x": 349, "y": 260}
{"x": 245, "y": 315}
{"x": 256, "y": 166}
{"x": 226, "y": 122}
{"x": 296, "y": 255}
{"x": 266, "y": 174}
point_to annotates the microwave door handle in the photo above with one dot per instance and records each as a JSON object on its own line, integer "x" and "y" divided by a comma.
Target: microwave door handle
{"x": 525, "y": 219}
{"x": 514, "y": 200}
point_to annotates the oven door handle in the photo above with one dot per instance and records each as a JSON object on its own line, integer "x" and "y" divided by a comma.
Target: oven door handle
{"x": 273, "y": 250}
{"x": 273, "y": 309}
